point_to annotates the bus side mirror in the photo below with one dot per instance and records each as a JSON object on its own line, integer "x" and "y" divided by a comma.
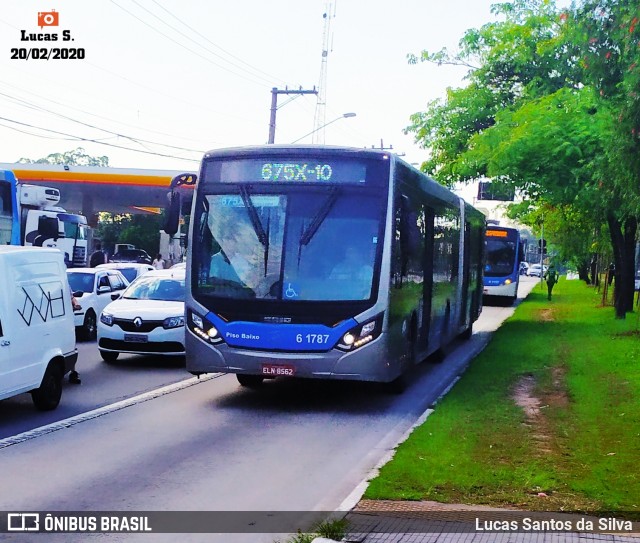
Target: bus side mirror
{"x": 172, "y": 213}
{"x": 48, "y": 228}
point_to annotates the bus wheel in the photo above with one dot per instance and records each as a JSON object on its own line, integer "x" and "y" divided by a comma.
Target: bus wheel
{"x": 397, "y": 386}
{"x": 467, "y": 333}
{"x": 249, "y": 381}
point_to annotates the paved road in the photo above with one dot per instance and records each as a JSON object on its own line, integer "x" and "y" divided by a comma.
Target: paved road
{"x": 102, "y": 384}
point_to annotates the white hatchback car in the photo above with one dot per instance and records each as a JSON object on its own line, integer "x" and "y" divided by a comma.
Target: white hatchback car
{"x": 147, "y": 319}
{"x": 131, "y": 270}
{"x": 94, "y": 289}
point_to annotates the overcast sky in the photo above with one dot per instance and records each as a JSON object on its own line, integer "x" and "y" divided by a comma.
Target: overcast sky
{"x": 194, "y": 75}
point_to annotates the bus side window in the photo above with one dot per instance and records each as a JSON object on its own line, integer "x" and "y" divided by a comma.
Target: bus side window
{"x": 409, "y": 245}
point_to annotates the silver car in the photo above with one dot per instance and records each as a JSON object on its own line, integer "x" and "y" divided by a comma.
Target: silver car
{"x": 535, "y": 270}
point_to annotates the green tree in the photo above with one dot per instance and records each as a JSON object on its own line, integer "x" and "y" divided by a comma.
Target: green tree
{"x": 608, "y": 33}
{"x": 536, "y": 117}
{"x": 139, "y": 230}
{"x": 77, "y": 157}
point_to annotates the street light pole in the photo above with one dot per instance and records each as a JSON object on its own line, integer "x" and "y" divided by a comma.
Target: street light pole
{"x": 343, "y": 116}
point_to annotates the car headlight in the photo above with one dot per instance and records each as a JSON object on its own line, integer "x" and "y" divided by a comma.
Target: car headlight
{"x": 361, "y": 335}
{"x": 106, "y": 318}
{"x": 173, "y": 322}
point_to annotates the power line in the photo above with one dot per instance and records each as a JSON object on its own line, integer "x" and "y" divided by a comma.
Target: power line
{"x": 271, "y": 77}
{"x": 184, "y": 46}
{"x": 46, "y": 99}
{"x": 136, "y": 140}
{"x": 93, "y": 140}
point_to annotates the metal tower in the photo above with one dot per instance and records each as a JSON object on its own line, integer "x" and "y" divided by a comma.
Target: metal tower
{"x": 319, "y": 120}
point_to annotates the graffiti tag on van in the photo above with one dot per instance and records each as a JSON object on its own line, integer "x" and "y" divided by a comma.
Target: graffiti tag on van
{"x": 45, "y": 300}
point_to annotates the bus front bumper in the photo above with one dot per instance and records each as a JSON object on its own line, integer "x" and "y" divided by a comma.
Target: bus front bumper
{"x": 367, "y": 363}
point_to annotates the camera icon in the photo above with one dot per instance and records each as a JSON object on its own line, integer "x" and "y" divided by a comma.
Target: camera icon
{"x": 48, "y": 18}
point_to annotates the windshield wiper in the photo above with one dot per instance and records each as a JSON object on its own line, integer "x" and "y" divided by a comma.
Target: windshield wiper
{"x": 321, "y": 215}
{"x": 263, "y": 237}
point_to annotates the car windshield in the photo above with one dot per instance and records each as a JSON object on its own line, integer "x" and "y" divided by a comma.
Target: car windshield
{"x": 167, "y": 289}
{"x": 129, "y": 273}
{"x": 80, "y": 282}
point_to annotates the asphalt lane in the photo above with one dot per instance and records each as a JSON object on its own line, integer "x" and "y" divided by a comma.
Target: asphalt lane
{"x": 102, "y": 384}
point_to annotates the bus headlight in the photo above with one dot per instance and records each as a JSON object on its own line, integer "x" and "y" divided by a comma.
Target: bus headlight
{"x": 508, "y": 281}
{"x": 202, "y": 328}
{"x": 361, "y": 335}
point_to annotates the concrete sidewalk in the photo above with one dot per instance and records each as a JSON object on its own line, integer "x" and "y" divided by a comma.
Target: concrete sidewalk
{"x": 374, "y": 521}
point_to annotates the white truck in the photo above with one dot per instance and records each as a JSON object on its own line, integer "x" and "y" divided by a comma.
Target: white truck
{"x": 44, "y": 224}
{"x": 30, "y": 216}
{"x": 37, "y": 332}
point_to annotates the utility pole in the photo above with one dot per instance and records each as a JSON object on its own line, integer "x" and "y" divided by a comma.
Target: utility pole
{"x": 274, "y": 107}
{"x": 383, "y": 148}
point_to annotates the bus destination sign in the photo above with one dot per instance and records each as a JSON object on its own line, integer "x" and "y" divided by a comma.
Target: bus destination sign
{"x": 286, "y": 170}
{"x": 496, "y": 233}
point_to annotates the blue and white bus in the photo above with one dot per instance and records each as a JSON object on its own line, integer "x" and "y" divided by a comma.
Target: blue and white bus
{"x": 325, "y": 262}
{"x": 503, "y": 252}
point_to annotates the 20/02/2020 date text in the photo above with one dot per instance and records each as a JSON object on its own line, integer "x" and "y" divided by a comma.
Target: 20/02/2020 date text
{"x": 44, "y": 53}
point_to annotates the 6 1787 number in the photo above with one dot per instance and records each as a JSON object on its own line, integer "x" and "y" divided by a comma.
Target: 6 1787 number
{"x": 313, "y": 339}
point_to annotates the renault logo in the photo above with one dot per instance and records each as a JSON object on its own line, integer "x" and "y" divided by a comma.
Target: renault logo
{"x": 137, "y": 322}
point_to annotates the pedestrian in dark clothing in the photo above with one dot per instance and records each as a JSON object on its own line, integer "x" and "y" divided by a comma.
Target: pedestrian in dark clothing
{"x": 551, "y": 276}
{"x": 611, "y": 274}
{"x": 97, "y": 257}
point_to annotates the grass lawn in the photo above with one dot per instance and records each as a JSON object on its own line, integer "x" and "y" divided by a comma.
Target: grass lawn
{"x": 547, "y": 417}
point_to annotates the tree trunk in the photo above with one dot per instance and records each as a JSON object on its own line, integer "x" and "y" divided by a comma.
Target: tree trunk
{"x": 583, "y": 271}
{"x": 623, "y": 244}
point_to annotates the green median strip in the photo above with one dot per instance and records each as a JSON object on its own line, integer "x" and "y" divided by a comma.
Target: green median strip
{"x": 546, "y": 418}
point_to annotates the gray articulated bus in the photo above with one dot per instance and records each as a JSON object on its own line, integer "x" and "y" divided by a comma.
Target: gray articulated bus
{"x": 325, "y": 262}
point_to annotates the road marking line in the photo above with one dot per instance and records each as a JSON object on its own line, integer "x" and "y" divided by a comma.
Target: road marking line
{"x": 104, "y": 410}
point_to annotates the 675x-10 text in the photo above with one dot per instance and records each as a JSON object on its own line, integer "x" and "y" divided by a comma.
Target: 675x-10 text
{"x": 44, "y": 53}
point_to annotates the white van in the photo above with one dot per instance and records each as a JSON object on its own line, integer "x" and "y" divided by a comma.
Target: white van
{"x": 37, "y": 333}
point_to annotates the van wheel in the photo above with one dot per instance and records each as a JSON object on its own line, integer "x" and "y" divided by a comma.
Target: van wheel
{"x": 89, "y": 326}
{"x": 249, "y": 381}
{"x": 109, "y": 356}
{"x": 47, "y": 396}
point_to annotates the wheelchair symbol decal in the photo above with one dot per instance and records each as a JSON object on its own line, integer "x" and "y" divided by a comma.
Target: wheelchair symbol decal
{"x": 290, "y": 291}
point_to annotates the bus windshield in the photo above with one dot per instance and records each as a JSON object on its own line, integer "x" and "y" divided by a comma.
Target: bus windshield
{"x": 296, "y": 245}
{"x": 501, "y": 255}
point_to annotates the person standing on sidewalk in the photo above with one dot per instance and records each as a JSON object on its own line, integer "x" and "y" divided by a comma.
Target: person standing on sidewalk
{"x": 551, "y": 276}
{"x": 158, "y": 263}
